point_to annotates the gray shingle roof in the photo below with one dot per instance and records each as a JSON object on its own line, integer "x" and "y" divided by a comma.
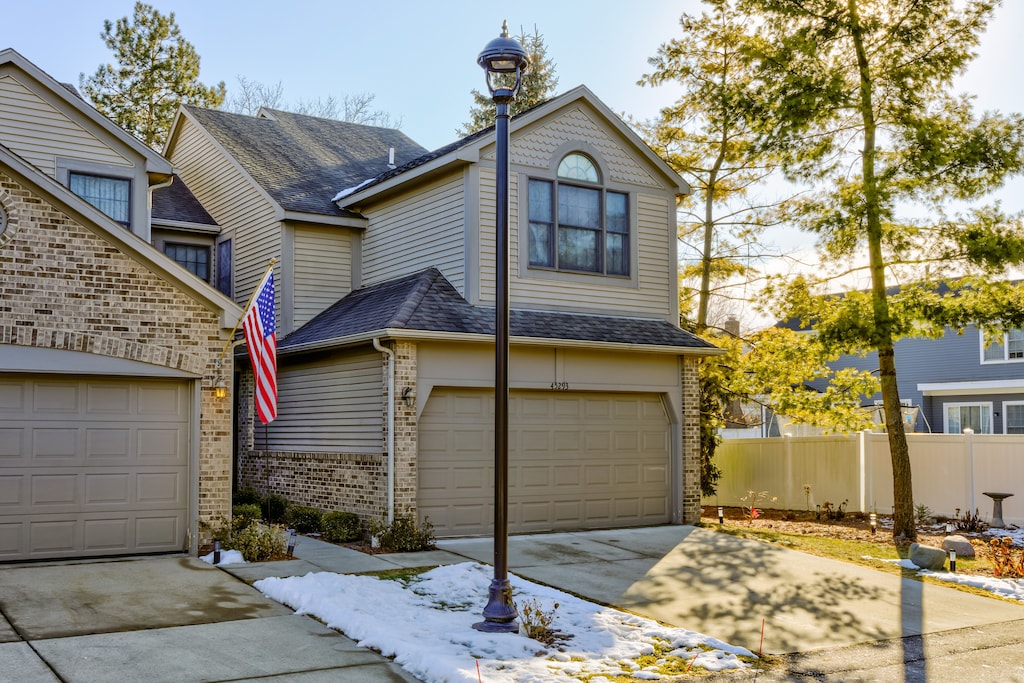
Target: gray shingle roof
{"x": 303, "y": 161}
{"x": 177, "y": 203}
{"x": 427, "y": 301}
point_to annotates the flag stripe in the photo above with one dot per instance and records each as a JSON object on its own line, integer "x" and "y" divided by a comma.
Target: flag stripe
{"x": 261, "y": 337}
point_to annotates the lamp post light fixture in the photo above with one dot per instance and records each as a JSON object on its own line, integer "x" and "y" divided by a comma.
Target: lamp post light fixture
{"x": 874, "y": 523}
{"x": 503, "y": 59}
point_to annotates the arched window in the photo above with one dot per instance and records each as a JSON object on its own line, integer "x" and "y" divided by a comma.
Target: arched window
{"x": 3, "y": 220}
{"x": 576, "y": 224}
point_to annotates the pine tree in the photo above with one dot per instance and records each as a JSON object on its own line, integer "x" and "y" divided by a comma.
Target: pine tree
{"x": 857, "y": 96}
{"x": 539, "y": 83}
{"x": 156, "y": 71}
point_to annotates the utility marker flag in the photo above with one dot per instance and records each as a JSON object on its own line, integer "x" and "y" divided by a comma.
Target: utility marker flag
{"x": 261, "y": 338}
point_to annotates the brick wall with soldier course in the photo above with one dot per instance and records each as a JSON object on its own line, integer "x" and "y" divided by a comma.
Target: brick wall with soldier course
{"x": 65, "y": 287}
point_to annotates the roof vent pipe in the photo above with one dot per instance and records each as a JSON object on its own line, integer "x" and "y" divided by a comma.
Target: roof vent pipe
{"x": 391, "y": 157}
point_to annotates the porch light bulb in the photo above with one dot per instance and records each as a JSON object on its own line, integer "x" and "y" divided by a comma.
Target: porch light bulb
{"x": 220, "y": 390}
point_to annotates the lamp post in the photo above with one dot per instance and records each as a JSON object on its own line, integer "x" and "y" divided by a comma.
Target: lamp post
{"x": 502, "y": 58}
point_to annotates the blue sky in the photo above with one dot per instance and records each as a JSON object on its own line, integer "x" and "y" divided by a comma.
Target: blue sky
{"x": 419, "y": 58}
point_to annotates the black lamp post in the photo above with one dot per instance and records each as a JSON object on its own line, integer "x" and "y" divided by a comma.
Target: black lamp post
{"x": 501, "y": 56}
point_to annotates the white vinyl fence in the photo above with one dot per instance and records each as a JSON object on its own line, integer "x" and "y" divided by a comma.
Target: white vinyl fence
{"x": 949, "y": 471}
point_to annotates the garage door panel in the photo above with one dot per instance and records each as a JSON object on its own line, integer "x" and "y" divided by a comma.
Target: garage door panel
{"x": 575, "y": 461}
{"x": 98, "y": 466}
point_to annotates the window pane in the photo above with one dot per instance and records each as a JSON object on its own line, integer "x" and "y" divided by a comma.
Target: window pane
{"x": 953, "y": 420}
{"x": 579, "y": 207}
{"x": 1015, "y": 344}
{"x": 196, "y": 259}
{"x": 577, "y": 249}
{"x": 578, "y": 167}
{"x": 616, "y": 254}
{"x": 540, "y": 201}
{"x": 617, "y": 216}
{"x": 224, "y": 267}
{"x": 109, "y": 195}
{"x": 541, "y": 252}
{"x": 1014, "y": 418}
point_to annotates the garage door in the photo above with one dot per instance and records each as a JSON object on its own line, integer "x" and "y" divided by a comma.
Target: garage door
{"x": 576, "y": 461}
{"x": 92, "y": 467}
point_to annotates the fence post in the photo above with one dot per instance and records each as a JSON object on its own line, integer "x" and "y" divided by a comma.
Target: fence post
{"x": 788, "y": 440}
{"x": 969, "y": 444}
{"x": 862, "y": 470}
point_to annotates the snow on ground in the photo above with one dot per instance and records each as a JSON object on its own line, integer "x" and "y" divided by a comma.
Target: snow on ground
{"x": 425, "y": 623}
{"x": 226, "y": 557}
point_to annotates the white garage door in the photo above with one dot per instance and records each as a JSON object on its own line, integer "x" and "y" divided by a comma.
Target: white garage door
{"x": 576, "y": 461}
{"x": 92, "y": 467}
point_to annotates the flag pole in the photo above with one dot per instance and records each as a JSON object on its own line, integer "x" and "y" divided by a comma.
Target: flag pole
{"x": 231, "y": 337}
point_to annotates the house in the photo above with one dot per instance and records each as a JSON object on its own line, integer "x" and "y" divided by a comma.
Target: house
{"x": 959, "y": 380}
{"x": 386, "y": 287}
{"x": 112, "y": 438}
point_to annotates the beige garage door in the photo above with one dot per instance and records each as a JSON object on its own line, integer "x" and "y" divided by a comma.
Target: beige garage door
{"x": 92, "y": 467}
{"x": 576, "y": 461}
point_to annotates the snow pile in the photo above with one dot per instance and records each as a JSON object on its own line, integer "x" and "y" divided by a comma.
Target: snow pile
{"x": 226, "y": 557}
{"x": 426, "y": 625}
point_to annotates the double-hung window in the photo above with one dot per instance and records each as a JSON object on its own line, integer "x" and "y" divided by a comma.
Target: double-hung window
{"x": 1002, "y": 348}
{"x": 576, "y": 224}
{"x": 112, "y": 196}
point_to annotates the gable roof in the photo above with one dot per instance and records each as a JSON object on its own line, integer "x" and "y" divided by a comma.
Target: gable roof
{"x": 301, "y": 161}
{"x": 425, "y": 303}
{"x": 175, "y": 204}
{"x": 468, "y": 150}
{"x": 155, "y": 163}
{"x": 125, "y": 241}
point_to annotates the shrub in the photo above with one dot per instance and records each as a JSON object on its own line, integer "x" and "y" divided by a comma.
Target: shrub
{"x": 402, "y": 535}
{"x": 923, "y": 513}
{"x": 538, "y": 624}
{"x": 244, "y": 515}
{"x": 1006, "y": 565}
{"x": 258, "y": 542}
{"x": 305, "y": 520}
{"x": 246, "y": 496}
{"x": 340, "y": 527}
{"x": 970, "y": 522}
{"x": 274, "y": 507}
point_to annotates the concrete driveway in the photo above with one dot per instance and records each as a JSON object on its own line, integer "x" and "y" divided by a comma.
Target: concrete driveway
{"x": 170, "y": 619}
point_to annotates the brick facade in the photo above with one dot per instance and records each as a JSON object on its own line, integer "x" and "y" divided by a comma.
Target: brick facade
{"x": 62, "y": 286}
{"x": 691, "y": 439}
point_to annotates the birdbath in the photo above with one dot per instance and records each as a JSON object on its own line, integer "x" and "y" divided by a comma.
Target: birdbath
{"x": 997, "y": 507}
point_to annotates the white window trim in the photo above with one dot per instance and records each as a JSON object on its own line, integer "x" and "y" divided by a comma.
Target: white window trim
{"x": 1005, "y": 345}
{"x": 965, "y": 404}
{"x": 1005, "y": 404}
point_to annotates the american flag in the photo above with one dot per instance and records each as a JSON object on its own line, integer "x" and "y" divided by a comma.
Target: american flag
{"x": 261, "y": 338}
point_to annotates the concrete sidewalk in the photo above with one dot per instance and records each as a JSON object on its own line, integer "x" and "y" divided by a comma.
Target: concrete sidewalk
{"x": 179, "y": 619}
{"x": 169, "y": 619}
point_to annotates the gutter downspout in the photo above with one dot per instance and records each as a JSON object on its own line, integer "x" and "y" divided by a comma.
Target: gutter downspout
{"x": 390, "y": 427}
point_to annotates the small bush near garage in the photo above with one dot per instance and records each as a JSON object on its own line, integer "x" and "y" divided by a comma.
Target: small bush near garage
{"x": 259, "y": 542}
{"x": 244, "y": 515}
{"x": 340, "y": 527}
{"x": 305, "y": 520}
{"x": 246, "y": 496}
{"x": 274, "y": 507}
{"x": 403, "y": 536}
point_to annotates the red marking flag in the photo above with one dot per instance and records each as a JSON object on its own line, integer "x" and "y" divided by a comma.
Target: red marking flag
{"x": 261, "y": 338}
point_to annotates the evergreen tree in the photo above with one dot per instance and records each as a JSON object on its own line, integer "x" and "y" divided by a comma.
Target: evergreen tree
{"x": 713, "y": 143}
{"x": 857, "y": 95}
{"x": 539, "y": 83}
{"x": 157, "y": 70}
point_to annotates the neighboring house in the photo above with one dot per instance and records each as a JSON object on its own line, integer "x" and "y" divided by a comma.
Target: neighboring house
{"x": 957, "y": 381}
{"x": 386, "y": 316}
{"x": 111, "y": 438}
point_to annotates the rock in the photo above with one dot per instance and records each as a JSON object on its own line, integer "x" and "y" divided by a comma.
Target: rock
{"x": 927, "y": 557}
{"x": 964, "y": 549}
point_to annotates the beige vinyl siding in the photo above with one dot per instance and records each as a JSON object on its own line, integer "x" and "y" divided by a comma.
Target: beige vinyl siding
{"x": 39, "y": 133}
{"x": 233, "y": 201}
{"x": 648, "y": 295}
{"x": 323, "y": 270}
{"x": 330, "y": 405}
{"x": 419, "y": 230}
